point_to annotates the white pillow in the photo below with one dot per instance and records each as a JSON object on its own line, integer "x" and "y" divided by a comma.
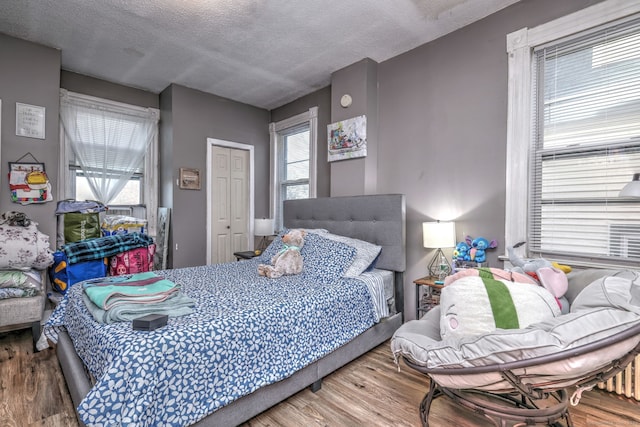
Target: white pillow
{"x": 471, "y": 307}
{"x": 620, "y": 290}
{"x": 366, "y": 253}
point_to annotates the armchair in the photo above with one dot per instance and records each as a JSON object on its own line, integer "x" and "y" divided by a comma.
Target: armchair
{"x": 527, "y": 375}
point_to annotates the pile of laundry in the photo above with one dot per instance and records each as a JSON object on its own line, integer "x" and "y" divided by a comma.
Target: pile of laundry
{"x": 127, "y": 297}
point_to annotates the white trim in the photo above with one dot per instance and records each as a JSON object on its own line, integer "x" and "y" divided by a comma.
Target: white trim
{"x": 582, "y": 20}
{"x": 211, "y": 142}
{"x": 520, "y": 45}
{"x": 313, "y": 144}
{"x": 518, "y": 133}
{"x": 151, "y": 186}
{"x": 310, "y": 116}
{"x": 295, "y": 120}
{"x": 273, "y": 169}
{"x": 150, "y": 112}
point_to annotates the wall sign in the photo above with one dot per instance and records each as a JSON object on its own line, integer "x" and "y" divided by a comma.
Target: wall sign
{"x": 30, "y": 120}
{"x": 189, "y": 179}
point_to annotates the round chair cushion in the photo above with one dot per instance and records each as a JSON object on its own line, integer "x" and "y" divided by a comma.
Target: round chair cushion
{"x": 606, "y": 307}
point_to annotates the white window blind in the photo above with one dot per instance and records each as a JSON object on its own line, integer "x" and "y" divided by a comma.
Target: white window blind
{"x": 586, "y": 146}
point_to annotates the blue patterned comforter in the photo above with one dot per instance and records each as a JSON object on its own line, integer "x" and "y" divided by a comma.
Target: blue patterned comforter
{"x": 247, "y": 332}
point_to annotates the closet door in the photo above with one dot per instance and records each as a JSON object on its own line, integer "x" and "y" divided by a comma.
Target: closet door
{"x": 239, "y": 200}
{"x": 230, "y": 203}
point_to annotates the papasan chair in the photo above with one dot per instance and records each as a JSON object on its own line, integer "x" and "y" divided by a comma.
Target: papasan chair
{"x": 529, "y": 374}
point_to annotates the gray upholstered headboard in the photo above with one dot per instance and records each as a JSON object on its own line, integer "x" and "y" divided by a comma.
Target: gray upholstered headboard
{"x": 379, "y": 219}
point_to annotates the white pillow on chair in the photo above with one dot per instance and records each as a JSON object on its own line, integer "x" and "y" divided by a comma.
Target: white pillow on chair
{"x": 473, "y": 306}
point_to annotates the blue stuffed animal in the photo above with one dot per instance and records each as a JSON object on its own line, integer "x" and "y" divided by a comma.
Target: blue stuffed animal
{"x": 478, "y": 247}
{"x": 461, "y": 252}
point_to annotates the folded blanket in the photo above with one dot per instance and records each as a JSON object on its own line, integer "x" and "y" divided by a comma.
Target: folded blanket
{"x": 140, "y": 279}
{"x": 6, "y": 293}
{"x": 142, "y": 288}
{"x": 24, "y": 248}
{"x": 175, "y": 306}
{"x": 102, "y": 247}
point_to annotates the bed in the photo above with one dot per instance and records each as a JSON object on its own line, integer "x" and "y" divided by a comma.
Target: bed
{"x": 95, "y": 366}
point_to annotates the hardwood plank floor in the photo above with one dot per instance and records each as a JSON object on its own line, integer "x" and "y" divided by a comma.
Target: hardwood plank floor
{"x": 368, "y": 392}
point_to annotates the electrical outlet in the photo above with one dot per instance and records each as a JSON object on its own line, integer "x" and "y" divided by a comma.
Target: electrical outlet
{"x": 176, "y": 246}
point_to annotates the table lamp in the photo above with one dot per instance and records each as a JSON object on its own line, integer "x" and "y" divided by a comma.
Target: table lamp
{"x": 263, "y": 227}
{"x": 438, "y": 235}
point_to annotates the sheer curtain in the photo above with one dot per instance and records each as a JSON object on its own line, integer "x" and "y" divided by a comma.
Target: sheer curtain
{"x": 108, "y": 140}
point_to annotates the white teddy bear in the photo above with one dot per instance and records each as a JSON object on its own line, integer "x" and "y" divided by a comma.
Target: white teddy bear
{"x": 288, "y": 260}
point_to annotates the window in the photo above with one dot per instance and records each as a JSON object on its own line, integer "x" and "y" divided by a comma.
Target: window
{"x": 108, "y": 153}
{"x": 293, "y": 147}
{"x": 574, "y": 137}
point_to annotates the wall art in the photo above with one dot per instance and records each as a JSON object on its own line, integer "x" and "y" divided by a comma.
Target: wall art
{"x": 189, "y": 179}
{"x": 30, "y": 120}
{"x": 347, "y": 139}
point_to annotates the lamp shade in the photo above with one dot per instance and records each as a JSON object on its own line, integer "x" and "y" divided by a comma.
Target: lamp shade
{"x": 439, "y": 234}
{"x": 632, "y": 189}
{"x": 263, "y": 227}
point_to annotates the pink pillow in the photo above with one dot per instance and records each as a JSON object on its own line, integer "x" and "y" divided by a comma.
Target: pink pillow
{"x": 498, "y": 274}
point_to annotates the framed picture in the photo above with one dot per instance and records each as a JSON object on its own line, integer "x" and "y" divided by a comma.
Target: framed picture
{"x": 30, "y": 120}
{"x": 347, "y": 139}
{"x": 189, "y": 179}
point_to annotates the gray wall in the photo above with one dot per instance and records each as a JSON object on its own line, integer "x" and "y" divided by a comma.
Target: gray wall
{"x": 92, "y": 86}
{"x": 442, "y": 129}
{"x": 360, "y": 81}
{"x": 196, "y": 116}
{"x": 29, "y": 74}
{"x": 441, "y": 112}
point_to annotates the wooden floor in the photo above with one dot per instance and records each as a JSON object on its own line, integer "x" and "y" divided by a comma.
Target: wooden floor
{"x": 368, "y": 392}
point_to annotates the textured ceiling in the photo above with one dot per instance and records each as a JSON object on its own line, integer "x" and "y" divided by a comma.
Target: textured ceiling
{"x": 260, "y": 52}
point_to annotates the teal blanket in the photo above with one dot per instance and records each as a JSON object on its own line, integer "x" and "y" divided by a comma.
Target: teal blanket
{"x": 141, "y": 288}
{"x": 175, "y": 306}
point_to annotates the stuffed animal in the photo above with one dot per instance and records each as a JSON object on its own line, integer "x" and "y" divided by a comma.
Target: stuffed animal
{"x": 473, "y": 305}
{"x": 461, "y": 251}
{"x": 549, "y": 274}
{"x": 478, "y": 247}
{"x": 528, "y": 265}
{"x": 288, "y": 260}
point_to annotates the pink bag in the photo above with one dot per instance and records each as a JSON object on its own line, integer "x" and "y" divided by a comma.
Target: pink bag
{"x": 137, "y": 260}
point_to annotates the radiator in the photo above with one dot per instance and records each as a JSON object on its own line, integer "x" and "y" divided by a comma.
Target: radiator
{"x": 627, "y": 382}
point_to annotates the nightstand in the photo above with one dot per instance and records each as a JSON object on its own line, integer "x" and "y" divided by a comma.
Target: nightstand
{"x": 244, "y": 255}
{"x": 431, "y": 296}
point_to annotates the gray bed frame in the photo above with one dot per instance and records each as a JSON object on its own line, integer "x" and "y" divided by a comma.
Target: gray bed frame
{"x": 378, "y": 219}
